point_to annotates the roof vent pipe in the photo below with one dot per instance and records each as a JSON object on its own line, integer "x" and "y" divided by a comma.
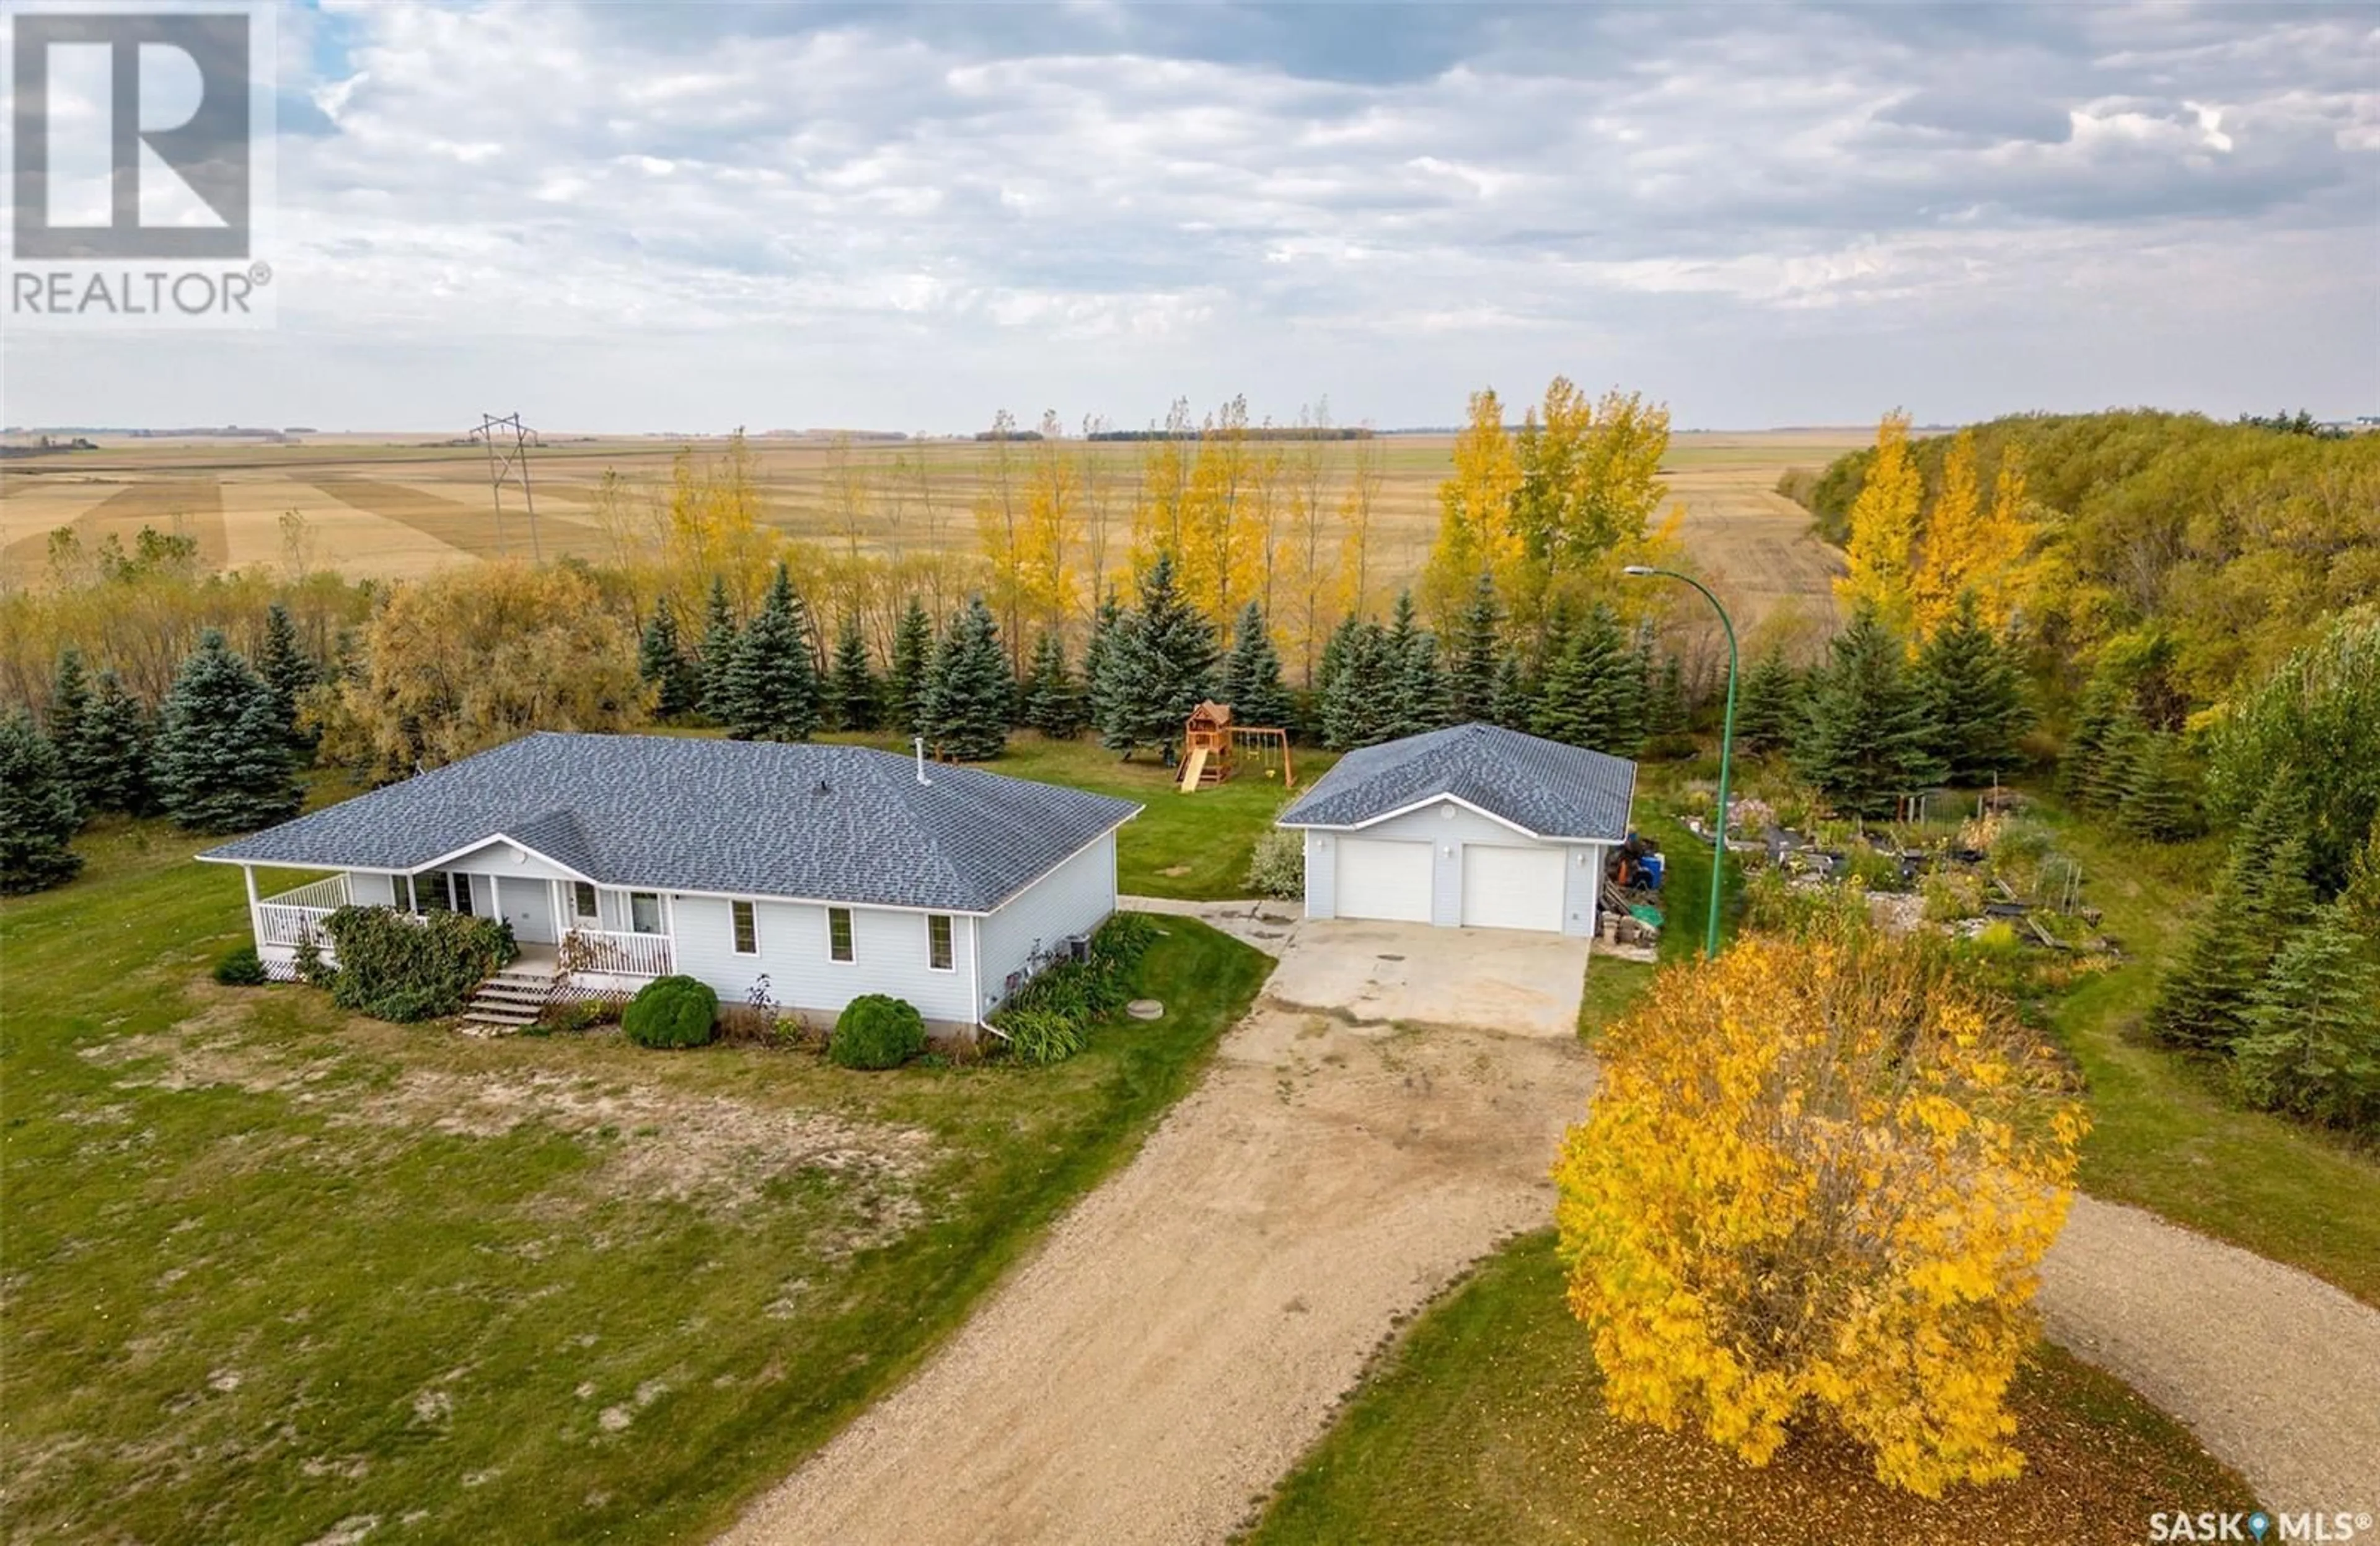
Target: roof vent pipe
{"x": 920, "y": 742}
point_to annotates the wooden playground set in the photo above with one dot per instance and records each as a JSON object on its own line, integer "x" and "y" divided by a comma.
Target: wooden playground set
{"x": 1213, "y": 747}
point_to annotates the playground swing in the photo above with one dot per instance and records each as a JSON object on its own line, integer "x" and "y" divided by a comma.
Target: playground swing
{"x": 1212, "y": 745}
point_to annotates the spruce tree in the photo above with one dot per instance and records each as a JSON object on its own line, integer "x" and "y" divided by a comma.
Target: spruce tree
{"x": 1768, "y": 705}
{"x": 70, "y": 702}
{"x": 113, "y": 749}
{"x": 1419, "y": 700}
{"x": 662, "y": 663}
{"x": 288, "y": 670}
{"x": 719, "y": 636}
{"x": 969, "y": 692}
{"x": 222, "y": 761}
{"x": 69, "y": 732}
{"x": 38, "y": 810}
{"x": 1164, "y": 663}
{"x": 1665, "y": 708}
{"x": 2111, "y": 772}
{"x": 1335, "y": 651}
{"x": 1471, "y": 676}
{"x": 2104, "y": 704}
{"x": 912, "y": 667}
{"x": 2160, "y": 799}
{"x": 771, "y": 685}
{"x": 1865, "y": 729}
{"x": 2312, "y": 1041}
{"x": 1355, "y": 708}
{"x": 1250, "y": 676}
{"x": 1510, "y": 704}
{"x": 856, "y": 696}
{"x": 1103, "y": 686}
{"x": 2204, "y": 997}
{"x": 1053, "y": 699}
{"x": 1590, "y": 697}
{"x": 1973, "y": 697}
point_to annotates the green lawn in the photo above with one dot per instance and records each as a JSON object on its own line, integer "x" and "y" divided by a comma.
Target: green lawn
{"x": 1486, "y": 1423}
{"x": 2166, "y": 1135}
{"x": 268, "y": 1269}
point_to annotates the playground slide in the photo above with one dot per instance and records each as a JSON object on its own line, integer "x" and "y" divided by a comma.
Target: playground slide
{"x": 1191, "y": 770}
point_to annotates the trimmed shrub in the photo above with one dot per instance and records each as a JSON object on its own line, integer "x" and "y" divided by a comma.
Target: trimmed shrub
{"x": 239, "y": 967}
{"x": 877, "y": 1031}
{"x": 396, "y": 967}
{"x": 671, "y": 1012}
{"x": 1277, "y": 866}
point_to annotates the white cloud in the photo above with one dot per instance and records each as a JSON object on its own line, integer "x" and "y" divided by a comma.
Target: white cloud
{"x": 907, "y": 213}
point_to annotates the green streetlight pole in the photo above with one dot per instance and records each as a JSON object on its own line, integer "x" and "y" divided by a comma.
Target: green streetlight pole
{"x": 1726, "y": 746}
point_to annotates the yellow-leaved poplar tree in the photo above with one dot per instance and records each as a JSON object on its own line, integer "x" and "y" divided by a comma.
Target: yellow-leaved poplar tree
{"x": 1884, "y": 528}
{"x": 1817, "y": 1180}
{"x": 2001, "y": 583}
{"x": 1475, "y": 534}
{"x": 1951, "y": 556}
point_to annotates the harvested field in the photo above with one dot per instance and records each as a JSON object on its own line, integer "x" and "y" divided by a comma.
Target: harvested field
{"x": 387, "y": 506}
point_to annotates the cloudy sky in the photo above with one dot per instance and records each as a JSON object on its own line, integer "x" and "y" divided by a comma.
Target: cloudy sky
{"x": 615, "y": 216}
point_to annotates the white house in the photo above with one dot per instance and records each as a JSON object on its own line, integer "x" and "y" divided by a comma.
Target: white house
{"x": 1476, "y": 826}
{"x": 829, "y": 872}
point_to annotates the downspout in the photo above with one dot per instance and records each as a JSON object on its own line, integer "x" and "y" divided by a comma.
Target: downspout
{"x": 975, "y": 976}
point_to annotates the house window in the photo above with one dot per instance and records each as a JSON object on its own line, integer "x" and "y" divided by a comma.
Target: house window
{"x": 938, "y": 940}
{"x": 748, "y": 931}
{"x": 462, "y": 884}
{"x": 838, "y": 933}
{"x": 645, "y": 911}
{"x": 582, "y": 902}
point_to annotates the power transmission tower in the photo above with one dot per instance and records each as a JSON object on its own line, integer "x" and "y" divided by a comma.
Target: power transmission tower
{"x": 508, "y": 442}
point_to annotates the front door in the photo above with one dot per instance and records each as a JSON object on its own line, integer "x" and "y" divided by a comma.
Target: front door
{"x": 527, "y": 906}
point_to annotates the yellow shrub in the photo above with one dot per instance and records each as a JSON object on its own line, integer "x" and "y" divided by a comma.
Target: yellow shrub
{"x": 1816, "y": 1181}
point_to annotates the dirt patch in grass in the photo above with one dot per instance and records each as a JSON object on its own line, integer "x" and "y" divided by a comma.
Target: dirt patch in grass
{"x": 649, "y": 1142}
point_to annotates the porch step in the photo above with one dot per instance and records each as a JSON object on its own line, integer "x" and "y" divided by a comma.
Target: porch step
{"x": 507, "y": 1001}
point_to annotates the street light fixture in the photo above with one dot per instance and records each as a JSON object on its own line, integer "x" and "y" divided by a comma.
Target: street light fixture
{"x": 1726, "y": 745}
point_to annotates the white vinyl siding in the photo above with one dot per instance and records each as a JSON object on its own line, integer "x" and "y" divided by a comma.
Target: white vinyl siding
{"x": 889, "y": 948}
{"x": 1072, "y": 899}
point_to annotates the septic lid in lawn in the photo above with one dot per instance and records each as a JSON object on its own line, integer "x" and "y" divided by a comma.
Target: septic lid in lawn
{"x": 1145, "y": 1009}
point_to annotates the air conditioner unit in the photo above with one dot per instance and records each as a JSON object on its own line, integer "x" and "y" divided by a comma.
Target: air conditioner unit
{"x": 1078, "y": 948}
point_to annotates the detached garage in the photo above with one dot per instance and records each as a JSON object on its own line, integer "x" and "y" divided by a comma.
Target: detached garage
{"x": 1473, "y": 827}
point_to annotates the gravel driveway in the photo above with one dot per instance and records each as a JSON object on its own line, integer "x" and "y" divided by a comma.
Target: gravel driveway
{"x": 1187, "y": 1329}
{"x": 2277, "y": 1373}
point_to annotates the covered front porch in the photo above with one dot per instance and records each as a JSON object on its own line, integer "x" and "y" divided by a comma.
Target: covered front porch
{"x": 600, "y": 937}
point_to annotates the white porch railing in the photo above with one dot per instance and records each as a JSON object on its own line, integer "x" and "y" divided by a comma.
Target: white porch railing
{"x": 611, "y": 954}
{"x": 279, "y": 924}
{"x": 328, "y": 894}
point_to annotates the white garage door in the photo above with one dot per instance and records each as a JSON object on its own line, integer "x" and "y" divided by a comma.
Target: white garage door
{"x": 1380, "y": 879}
{"x": 1511, "y": 888}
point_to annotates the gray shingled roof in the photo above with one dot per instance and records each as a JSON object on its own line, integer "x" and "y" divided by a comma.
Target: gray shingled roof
{"x": 831, "y": 823}
{"x": 1542, "y": 787}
